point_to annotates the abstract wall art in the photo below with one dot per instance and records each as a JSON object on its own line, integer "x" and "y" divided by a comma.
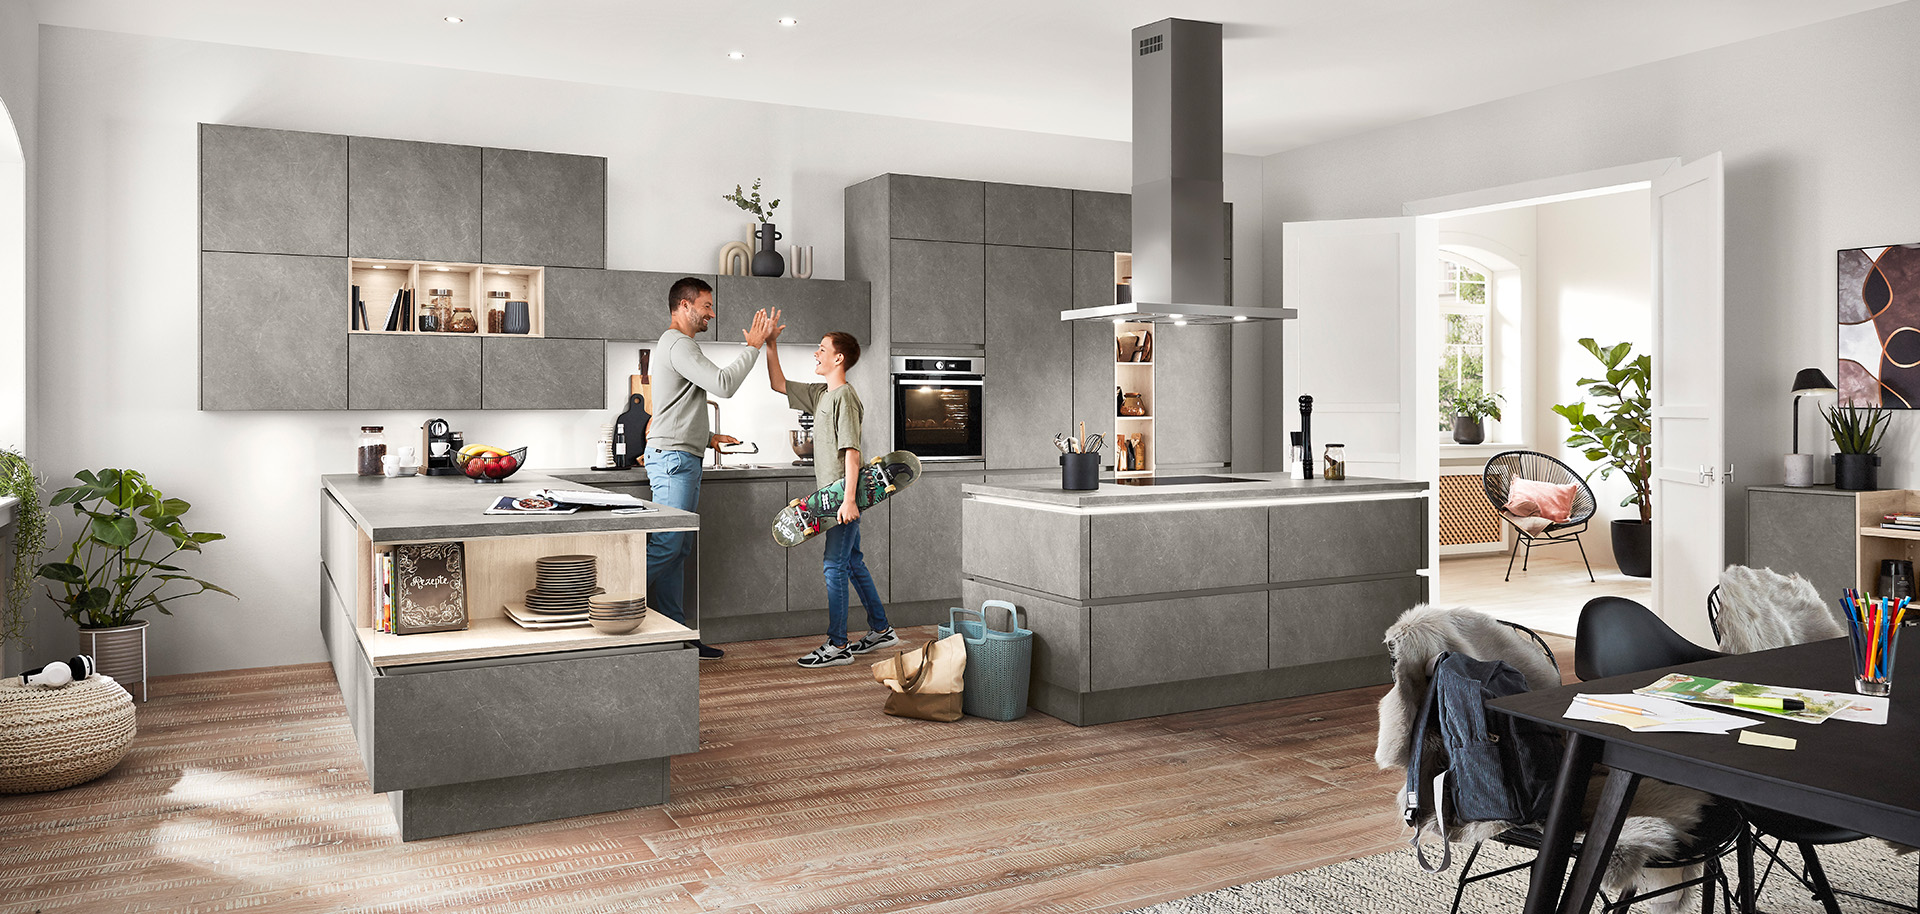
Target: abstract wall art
{"x": 1879, "y": 299}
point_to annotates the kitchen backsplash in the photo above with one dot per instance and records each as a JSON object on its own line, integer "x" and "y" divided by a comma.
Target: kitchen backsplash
{"x": 754, "y": 413}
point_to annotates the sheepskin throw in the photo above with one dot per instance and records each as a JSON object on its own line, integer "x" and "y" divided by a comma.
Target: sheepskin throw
{"x": 1661, "y": 814}
{"x": 1761, "y": 609}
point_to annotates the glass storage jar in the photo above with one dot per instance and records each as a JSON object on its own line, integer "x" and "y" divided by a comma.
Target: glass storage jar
{"x": 497, "y": 310}
{"x": 1336, "y": 462}
{"x": 439, "y": 309}
{"x": 462, "y": 321}
{"x": 373, "y": 446}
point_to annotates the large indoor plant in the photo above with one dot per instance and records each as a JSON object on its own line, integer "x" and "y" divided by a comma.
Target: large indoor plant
{"x": 767, "y": 260}
{"x": 1469, "y": 411}
{"x": 1857, "y": 433}
{"x": 1617, "y": 433}
{"x": 119, "y": 566}
{"x": 29, "y": 542}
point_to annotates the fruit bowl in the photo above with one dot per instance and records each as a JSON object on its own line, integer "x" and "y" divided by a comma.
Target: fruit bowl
{"x": 492, "y": 465}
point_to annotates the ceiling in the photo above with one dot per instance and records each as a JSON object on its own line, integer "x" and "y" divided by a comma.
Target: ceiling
{"x": 1297, "y": 71}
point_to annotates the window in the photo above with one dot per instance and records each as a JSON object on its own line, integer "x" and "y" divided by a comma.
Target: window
{"x": 1465, "y": 344}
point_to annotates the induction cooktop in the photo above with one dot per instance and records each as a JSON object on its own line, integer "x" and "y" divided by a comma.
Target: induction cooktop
{"x": 1179, "y": 480}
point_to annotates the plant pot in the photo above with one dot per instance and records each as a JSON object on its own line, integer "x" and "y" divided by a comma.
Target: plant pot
{"x": 120, "y": 652}
{"x": 1633, "y": 547}
{"x": 767, "y": 261}
{"x": 1856, "y": 472}
{"x": 1468, "y": 430}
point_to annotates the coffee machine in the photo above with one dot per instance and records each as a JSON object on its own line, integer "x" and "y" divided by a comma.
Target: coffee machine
{"x": 441, "y": 445}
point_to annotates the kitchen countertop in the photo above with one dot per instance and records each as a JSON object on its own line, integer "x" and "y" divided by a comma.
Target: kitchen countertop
{"x": 727, "y": 472}
{"x": 452, "y": 507}
{"x": 1276, "y": 488}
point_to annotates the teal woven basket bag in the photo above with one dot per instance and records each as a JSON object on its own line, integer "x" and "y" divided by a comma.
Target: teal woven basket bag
{"x": 999, "y": 663}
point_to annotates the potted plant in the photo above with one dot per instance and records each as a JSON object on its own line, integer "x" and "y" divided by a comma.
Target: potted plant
{"x": 1618, "y": 434}
{"x": 767, "y": 260}
{"x": 1857, "y": 433}
{"x": 118, "y": 566}
{"x": 1469, "y": 409}
{"x": 29, "y": 542}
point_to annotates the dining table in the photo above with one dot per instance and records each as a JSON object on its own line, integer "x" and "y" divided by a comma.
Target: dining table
{"x": 1852, "y": 774}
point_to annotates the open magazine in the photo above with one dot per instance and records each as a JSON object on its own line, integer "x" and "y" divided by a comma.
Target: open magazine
{"x": 1747, "y": 696}
{"x": 528, "y": 504}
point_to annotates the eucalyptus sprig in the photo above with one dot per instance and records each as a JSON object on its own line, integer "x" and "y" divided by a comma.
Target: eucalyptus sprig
{"x": 29, "y": 542}
{"x": 1857, "y": 429}
{"x": 1619, "y": 432}
{"x": 751, "y": 203}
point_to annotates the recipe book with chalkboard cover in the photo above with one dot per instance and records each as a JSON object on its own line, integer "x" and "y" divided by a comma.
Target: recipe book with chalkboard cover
{"x": 430, "y": 588}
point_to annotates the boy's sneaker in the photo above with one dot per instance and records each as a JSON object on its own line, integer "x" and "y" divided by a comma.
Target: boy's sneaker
{"x": 827, "y": 655}
{"x": 875, "y": 641}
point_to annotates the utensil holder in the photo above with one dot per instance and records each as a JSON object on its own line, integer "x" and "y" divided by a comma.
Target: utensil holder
{"x": 1080, "y": 472}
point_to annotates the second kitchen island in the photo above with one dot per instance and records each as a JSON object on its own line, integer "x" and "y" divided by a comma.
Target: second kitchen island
{"x": 1149, "y": 600}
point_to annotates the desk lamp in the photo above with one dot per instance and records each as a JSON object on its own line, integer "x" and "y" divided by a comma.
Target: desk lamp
{"x": 1805, "y": 469}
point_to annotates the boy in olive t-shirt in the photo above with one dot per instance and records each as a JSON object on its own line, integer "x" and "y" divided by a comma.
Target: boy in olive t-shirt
{"x": 837, "y": 413}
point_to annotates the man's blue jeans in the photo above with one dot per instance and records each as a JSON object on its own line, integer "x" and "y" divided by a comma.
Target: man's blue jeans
{"x": 675, "y": 478}
{"x": 844, "y": 563}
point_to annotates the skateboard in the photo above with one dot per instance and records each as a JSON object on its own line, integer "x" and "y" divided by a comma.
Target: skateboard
{"x": 882, "y": 478}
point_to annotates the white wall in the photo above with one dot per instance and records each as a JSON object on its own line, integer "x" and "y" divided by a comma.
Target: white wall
{"x": 119, "y": 363}
{"x": 19, "y": 114}
{"x": 1593, "y": 280}
{"x": 1814, "y": 164}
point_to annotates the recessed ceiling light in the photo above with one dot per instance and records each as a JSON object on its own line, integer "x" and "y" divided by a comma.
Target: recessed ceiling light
{"x": 736, "y": 55}
{"x": 456, "y": 20}
{"x": 789, "y": 21}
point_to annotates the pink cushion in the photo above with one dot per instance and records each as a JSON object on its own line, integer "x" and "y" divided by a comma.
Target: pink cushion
{"x": 1532, "y": 498}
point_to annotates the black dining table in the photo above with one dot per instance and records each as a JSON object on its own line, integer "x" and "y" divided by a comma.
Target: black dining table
{"x": 1860, "y": 776}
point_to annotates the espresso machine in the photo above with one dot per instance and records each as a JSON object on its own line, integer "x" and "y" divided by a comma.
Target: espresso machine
{"x": 441, "y": 445}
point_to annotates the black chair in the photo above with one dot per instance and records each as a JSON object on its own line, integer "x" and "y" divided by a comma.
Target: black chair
{"x": 1498, "y": 478}
{"x": 1616, "y": 636}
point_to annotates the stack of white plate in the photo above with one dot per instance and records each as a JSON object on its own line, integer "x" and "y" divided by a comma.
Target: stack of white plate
{"x": 617, "y": 613}
{"x": 563, "y": 584}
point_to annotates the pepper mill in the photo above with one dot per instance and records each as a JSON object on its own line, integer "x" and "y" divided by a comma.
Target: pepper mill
{"x": 1306, "y": 435}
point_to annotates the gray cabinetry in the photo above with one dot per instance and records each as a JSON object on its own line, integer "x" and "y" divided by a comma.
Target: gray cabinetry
{"x": 271, "y": 332}
{"x": 1093, "y": 349}
{"x": 743, "y": 572}
{"x": 1029, "y": 216}
{"x": 1102, "y": 221}
{"x": 413, "y": 371}
{"x": 806, "y": 577}
{"x": 938, "y": 292}
{"x": 1029, "y": 394}
{"x": 543, "y": 374}
{"x": 935, "y": 209}
{"x": 1309, "y": 542}
{"x": 1169, "y": 641}
{"x": 1192, "y": 394}
{"x": 809, "y": 307}
{"x": 543, "y": 209}
{"x": 926, "y": 538}
{"x": 1298, "y": 626}
{"x": 413, "y": 201}
{"x": 1812, "y": 532}
{"x": 272, "y": 191}
{"x": 612, "y": 304}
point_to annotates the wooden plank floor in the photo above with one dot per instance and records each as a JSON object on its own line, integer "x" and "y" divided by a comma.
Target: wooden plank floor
{"x": 1546, "y": 597}
{"x": 244, "y": 791}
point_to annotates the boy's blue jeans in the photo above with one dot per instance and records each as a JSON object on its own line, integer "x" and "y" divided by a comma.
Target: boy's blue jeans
{"x": 844, "y": 562}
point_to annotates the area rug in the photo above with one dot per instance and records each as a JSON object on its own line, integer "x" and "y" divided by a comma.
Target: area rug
{"x": 1392, "y": 883}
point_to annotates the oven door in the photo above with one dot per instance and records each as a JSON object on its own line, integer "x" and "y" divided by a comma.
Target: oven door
{"x": 938, "y": 417}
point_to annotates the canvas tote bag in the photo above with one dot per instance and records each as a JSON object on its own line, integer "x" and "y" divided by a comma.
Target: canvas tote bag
{"x": 926, "y": 682}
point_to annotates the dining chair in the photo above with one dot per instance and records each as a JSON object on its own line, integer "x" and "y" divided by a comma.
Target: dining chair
{"x": 1497, "y": 480}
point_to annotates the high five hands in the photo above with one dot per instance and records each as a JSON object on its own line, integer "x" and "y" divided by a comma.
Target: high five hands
{"x": 766, "y": 328}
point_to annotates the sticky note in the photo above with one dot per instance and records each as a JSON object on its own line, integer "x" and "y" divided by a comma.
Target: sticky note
{"x": 1768, "y": 740}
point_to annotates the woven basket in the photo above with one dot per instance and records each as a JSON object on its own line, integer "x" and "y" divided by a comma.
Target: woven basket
{"x": 999, "y": 663}
{"x": 59, "y": 737}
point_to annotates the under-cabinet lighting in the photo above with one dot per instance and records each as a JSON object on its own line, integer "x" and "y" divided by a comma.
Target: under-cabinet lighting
{"x": 1176, "y": 316}
{"x": 510, "y": 273}
{"x": 736, "y": 55}
{"x": 379, "y": 266}
{"x": 926, "y": 390}
{"x": 1239, "y": 317}
{"x": 456, "y": 20}
{"x": 789, "y": 21}
{"x": 1179, "y": 323}
{"x": 1118, "y": 321}
{"x": 440, "y": 269}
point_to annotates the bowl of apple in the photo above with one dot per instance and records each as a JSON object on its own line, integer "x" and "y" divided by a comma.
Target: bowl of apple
{"x": 485, "y": 463}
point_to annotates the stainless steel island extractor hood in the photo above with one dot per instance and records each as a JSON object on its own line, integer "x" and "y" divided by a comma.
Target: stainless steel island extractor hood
{"x": 1179, "y": 235}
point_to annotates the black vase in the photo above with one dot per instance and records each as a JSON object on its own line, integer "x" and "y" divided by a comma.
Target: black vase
{"x": 1633, "y": 548}
{"x": 767, "y": 261}
{"x": 1856, "y": 472}
{"x": 1468, "y": 430}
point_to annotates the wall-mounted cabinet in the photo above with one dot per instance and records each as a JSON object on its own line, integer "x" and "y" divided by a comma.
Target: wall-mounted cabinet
{"x": 627, "y": 305}
{"x": 523, "y": 373}
{"x": 270, "y": 335}
{"x": 808, "y": 307}
{"x": 413, "y": 201}
{"x": 272, "y": 191}
{"x": 478, "y": 296}
{"x": 413, "y": 371}
{"x": 543, "y": 207}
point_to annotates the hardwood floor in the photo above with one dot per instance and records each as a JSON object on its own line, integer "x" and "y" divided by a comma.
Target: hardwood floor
{"x": 1547, "y": 597}
{"x": 244, "y": 791}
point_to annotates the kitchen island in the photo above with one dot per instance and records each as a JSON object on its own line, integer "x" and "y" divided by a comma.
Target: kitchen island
{"x": 1149, "y": 600}
{"x": 498, "y": 724}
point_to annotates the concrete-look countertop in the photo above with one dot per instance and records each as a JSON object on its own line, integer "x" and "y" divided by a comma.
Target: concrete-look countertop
{"x": 453, "y": 507}
{"x": 1275, "y": 487}
{"x": 728, "y": 473}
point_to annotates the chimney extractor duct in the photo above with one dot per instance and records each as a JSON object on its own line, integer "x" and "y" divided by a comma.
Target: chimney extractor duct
{"x": 1179, "y": 223}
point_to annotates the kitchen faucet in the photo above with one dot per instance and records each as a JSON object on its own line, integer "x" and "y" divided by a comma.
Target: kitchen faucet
{"x": 717, "y": 453}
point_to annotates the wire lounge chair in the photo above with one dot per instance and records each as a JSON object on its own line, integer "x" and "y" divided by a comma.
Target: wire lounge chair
{"x": 1498, "y": 478}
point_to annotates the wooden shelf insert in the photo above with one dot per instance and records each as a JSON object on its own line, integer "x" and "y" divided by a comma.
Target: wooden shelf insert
{"x": 469, "y": 282}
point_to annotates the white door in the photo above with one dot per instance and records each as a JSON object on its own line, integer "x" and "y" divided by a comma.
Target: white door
{"x": 1689, "y": 386}
{"x": 1355, "y": 348}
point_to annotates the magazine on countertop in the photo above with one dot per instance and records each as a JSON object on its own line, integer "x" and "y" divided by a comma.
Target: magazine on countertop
{"x": 529, "y": 504}
{"x": 1747, "y": 696}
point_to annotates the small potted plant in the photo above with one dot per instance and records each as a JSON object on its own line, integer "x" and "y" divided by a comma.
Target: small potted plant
{"x": 1857, "y": 433}
{"x": 119, "y": 567}
{"x": 1469, "y": 413}
{"x": 767, "y": 260}
{"x": 1618, "y": 435}
{"x": 29, "y": 542}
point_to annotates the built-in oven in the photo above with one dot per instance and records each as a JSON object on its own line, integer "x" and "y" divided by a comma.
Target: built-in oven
{"x": 937, "y": 406}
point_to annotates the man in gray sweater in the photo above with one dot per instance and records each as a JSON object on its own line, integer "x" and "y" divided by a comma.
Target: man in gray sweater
{"x": 680, "y": 433}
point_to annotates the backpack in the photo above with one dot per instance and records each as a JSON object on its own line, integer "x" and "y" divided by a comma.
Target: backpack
{"x": 1496, "y": 767}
